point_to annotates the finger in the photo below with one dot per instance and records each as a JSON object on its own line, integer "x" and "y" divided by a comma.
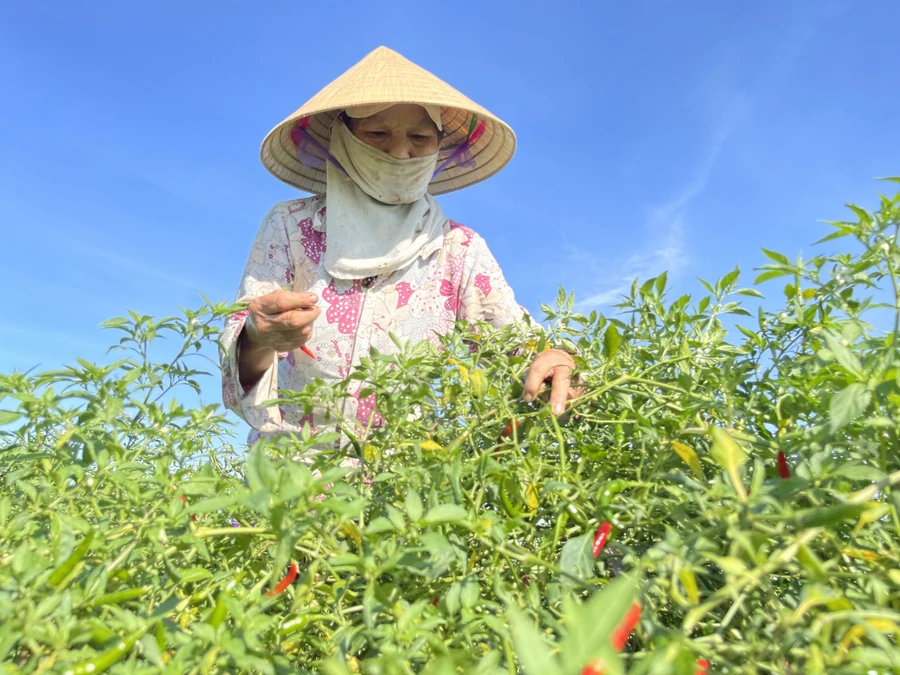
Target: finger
{"x": 278, "y": 302}
{"x": 293, "y": 320}
{"x": 286, "y": 342}
{"x": 537, "y": 373}
{"x": 559, "y": 389}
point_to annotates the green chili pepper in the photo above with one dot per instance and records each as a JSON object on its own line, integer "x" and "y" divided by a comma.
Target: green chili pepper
{"x": 119, "y": 596}
{"x": 160, "y": 636}
{"x": 108, "y": 658}
{"x": 60, "y": 573}
{"x": 291, "y": 626}
{"x": 510, "y": 496}
{"x": 557, "y": 530}
{"x": 219, "y": 612}
{"x": 100, "y": 635}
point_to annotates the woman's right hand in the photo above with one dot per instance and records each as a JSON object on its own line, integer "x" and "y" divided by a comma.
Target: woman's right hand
{"x": 280, "y": 321}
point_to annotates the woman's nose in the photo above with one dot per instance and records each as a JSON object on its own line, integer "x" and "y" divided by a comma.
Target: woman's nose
{"x": 399, "y": 149}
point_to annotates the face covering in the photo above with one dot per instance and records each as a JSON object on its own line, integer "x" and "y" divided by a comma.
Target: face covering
{"x": 380, "y": 215}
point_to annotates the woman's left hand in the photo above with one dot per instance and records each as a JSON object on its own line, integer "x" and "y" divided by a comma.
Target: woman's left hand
{"x": 554, "y": 366}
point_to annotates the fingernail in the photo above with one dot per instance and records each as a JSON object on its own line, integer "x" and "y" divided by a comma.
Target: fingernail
{"x": 557, "y": 408}
{"x": 528, "y": 398}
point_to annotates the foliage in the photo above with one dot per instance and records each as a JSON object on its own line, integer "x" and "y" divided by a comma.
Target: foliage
{"x": 134, "y": 537}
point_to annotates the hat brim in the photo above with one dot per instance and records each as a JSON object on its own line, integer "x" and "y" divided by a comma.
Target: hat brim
{"x": 491, "y": 152}
{"x": 384, "y": 77}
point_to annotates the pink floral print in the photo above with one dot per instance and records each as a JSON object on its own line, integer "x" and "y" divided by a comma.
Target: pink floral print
{"x": 461, "y": 281}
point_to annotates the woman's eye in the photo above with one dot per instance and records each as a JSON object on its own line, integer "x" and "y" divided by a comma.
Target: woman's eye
{"x": 419, "y": 138}
{"x": 378, "y": 134}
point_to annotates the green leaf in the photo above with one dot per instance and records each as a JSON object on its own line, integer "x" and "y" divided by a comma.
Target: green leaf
{"x": 9, "y": 416}
{"x": 380, "y": 525}
{"x": 114, "y": 323}
{"x": 863, "y": 215}
{"x": 661, "y": 282}
{"x": 576, "y": 558}
{"x": 828, "y": 516}
{"x": 414, "y": 507}
{"x": 213, "y": 504}
{"x": 470, "y": 593}
{"x": 780, "y": 258}
{"x": 731, "y": 457}
{"x": 260, "y": 471}
{"x": 770, "y": 274}
{"x": 860, "y": 472}
{"x": 611, "y": 341}
{"x": 193, "y": 574}
{"x": 531, "y": 648}
{"x": 847, "y": 405}
{"x": 446, "y": 513}
{"x": 729, "y": 279}
{"x": 842, "y": 354}
{"x": 591, "y": 624}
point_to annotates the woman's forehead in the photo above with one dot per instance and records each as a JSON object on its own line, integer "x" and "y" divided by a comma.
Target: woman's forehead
{"x": 402, "y": 113}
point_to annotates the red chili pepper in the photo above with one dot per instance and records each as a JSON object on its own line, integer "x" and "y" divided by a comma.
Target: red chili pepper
{"x": 435, "y": 602}
{"x": 784, "y": 469}
{"x": 526, "y": 580}
{"x": 601, "y": 537}
{"x": 620, "y": 635}
{"x": 506, "y": 433}
{"x": 595, "y": 667}
{"x": 287, "y": 581}
{"x": 306, "y": 350}
{"x": 508, "y": 429}
{"x": 193, "y": 515}
{"x": 702, "y": 667}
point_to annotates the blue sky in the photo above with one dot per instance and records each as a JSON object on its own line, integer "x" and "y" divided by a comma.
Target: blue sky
{"x": 652, "y": 136}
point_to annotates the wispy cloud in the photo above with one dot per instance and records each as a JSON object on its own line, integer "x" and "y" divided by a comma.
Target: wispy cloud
{"x": 664, "y": 246}
{"x": 126, "y": 268}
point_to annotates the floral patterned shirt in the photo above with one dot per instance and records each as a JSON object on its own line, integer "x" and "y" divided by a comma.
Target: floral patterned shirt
{"x": 459, "y": 281}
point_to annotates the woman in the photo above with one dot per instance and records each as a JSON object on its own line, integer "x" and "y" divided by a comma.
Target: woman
{"x": 327, "y": 284}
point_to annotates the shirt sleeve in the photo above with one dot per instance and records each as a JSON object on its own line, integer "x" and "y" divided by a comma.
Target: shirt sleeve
{"x": 484, "y": 294}
{"x": 269, "y": 268}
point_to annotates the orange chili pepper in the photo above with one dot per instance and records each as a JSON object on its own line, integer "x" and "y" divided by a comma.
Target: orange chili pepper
{"x": 702, "y": 667}
{"x": 620, "y": 635}
{"x": 287, "y": 581}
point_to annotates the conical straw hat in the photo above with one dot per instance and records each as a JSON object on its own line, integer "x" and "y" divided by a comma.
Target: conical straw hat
{"x": 385, "y": 77}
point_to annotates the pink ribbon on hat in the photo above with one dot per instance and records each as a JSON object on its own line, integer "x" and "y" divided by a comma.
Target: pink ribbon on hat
{"x": 461, "y": 156}
{"x": 302, "y": 139}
